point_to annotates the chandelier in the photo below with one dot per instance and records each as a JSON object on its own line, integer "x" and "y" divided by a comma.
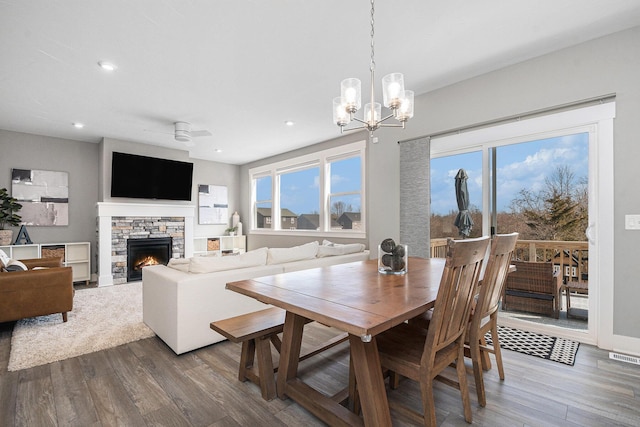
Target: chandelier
{"x": 395, "y": 98}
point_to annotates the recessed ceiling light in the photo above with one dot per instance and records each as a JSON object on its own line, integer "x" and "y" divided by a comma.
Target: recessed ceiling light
{"x": 78, "y": 125}
{"x": 107, "y": 66}
{"x": 289, "y": 123}
{"x": 217, "y": 150}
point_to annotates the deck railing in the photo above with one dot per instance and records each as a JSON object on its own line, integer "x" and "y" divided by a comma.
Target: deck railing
{"x": 570, "y": 256}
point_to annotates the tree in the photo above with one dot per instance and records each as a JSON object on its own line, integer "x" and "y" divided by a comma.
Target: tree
{"x": 557, "y": 212}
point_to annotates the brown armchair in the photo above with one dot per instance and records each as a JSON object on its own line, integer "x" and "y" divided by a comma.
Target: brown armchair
{"x": 533, "y": 287}
{"x": 36, "y": 292}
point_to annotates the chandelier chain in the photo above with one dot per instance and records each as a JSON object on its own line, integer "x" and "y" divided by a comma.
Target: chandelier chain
{"x": 372, "y": 66}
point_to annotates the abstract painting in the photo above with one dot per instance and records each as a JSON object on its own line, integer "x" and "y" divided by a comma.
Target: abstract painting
{"x": 213, "y": 204}
{"x": 44, "y": 196}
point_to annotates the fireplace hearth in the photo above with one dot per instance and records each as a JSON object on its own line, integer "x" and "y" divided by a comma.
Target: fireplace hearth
{"x": 144, "y": 252}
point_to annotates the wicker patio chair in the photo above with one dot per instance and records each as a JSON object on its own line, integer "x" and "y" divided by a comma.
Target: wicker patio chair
{"x": 534, "y": 288}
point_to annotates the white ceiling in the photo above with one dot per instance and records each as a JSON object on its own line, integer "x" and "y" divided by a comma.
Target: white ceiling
{"x": 241, "y": 68}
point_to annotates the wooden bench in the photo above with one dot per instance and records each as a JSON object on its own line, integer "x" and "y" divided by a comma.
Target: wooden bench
{"x": 256, "y": 331}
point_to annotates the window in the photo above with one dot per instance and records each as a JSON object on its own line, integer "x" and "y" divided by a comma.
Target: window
{"x": 317, "y": 193}
{"x": 263, "y": 191}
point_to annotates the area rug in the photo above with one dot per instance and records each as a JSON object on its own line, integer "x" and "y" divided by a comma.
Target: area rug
{"x": 556, "y": 349}
{"x": 101, "y": 318}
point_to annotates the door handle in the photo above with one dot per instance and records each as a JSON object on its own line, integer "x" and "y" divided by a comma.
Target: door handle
{"x": 588, "y": 233}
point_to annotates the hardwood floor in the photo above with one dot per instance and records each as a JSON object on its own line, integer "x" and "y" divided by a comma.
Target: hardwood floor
{"x": 145, "y": 384}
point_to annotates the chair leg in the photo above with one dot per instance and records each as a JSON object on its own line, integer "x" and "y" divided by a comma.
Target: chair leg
{"x": 64, "y": 316}
{"x": 476, "y": 359}
{"x": 428, "y": 405}
{"x": 496, "y": 344}
{"x": 462, "y": 379}
{"x": 486, "y": 360}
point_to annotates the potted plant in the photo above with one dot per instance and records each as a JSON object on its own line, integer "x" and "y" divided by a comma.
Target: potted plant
{"x": 8, "y": 208}
{"x": 231, "y": 230}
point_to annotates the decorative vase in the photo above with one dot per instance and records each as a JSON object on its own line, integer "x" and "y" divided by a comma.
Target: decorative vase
{"x": 392, "y": 258}
{"x": 6, "y": 236}
{"x": 235, "y": 219}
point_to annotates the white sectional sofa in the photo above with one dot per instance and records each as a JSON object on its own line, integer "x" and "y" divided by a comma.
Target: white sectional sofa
{"x": 181, "y": 299}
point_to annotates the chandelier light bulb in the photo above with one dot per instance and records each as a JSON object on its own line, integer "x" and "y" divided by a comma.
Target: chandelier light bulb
{"x": 405, "y": 111}
{"x": 392, "y": 89}
{"x": 341, "y": 116}
{"x": 350, "y": 90}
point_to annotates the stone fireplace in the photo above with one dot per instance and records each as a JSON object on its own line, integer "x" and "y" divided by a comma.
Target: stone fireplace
{"x": 120, "y": 222}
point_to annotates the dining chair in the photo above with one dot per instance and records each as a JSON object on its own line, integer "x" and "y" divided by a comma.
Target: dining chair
{"x": 484, "y": 317}
{"x": 421, "y": 355}
{"x": 484, "y": 312}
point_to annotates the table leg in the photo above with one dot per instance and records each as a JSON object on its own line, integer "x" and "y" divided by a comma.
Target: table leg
{"x": 290, "y": 351}
{"x": 373, "y": 396}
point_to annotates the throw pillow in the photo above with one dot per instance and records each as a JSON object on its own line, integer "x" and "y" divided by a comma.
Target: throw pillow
{"x": 15, "y": 265}
{"x": 181, "y": 264}
{"x": 253, "y": 258}
{"x": 350, "y": 248}
{"x": 4, "y": 258}
{"x": 296, "y": 253}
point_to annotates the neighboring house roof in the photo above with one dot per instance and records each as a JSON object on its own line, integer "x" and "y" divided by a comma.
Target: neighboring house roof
{"x": 286, "y": 213}
{"x": 314, "y": 222}
{"x": 351, "y": 216}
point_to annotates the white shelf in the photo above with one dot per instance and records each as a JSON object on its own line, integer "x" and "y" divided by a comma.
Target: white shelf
{"x": 22, "y": 251}
{"x": 219, "y": 244}
{"x": 76, "y": 255}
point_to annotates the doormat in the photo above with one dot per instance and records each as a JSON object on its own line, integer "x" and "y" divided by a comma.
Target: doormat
{"x": 552, "y": 348}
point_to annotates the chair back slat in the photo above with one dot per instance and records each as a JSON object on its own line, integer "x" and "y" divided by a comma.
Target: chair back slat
{"x": 495, "y": 276}
{"x": 455, "y": 294}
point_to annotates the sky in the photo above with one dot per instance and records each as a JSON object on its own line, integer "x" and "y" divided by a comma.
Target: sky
{"x": 523, "y": 165}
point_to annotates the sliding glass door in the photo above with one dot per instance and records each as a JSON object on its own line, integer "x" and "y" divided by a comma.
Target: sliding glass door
{"x": 539, "y": 178}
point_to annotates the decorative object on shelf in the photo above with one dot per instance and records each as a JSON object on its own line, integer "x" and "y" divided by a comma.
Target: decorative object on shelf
{"x": 239, "y": 228}
{"x": 44, "y": 196}
{"x": 213, "y": 204}
{"x": 23, "y": 235}
{"x": 231, "y": 230}
{"x": 392, "y": 257}
{"x": 235, "y": 219}
{"x": 9, "y": 207}
{"x": 395, "y": 98}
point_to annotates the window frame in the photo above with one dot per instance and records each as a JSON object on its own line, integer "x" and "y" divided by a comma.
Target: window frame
{"x": 322, "y": 160}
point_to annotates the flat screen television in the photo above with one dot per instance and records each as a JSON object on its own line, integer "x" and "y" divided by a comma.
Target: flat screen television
{"x": 143, "y": 177}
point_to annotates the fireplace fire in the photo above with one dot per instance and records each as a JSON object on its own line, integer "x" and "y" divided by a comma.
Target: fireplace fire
{"x": 144, "y": 252}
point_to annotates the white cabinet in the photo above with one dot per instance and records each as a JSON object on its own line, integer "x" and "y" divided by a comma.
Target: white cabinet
{"x": 75, "y": 255}
{"x": 222, "y": 245}
{"x": 21, "y": 251}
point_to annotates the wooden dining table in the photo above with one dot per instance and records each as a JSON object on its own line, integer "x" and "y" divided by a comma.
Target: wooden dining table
{"x": 354, "y": 298}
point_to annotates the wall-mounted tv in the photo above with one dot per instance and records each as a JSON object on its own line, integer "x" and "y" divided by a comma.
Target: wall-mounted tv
{"x": 143, "y": 177}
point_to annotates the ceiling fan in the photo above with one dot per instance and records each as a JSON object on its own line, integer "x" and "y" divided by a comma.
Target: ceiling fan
{"x": 183, "y": 132}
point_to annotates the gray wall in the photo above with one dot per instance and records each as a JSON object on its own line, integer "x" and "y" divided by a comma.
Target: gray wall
{"x": 79, "y": 159}
{"x": 89, "y": 167}
{"x": 607, "y": 65}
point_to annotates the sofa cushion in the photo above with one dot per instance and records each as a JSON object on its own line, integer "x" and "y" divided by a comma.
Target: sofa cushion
{"x": 253, "y": 258}
{"x": 181, "y": 264}
{"x": 336, "y": 249}
{"x": 296, "y": 253}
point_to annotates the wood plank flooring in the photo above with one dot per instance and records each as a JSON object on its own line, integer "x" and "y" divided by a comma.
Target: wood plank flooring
{"x": 145, "y": 384}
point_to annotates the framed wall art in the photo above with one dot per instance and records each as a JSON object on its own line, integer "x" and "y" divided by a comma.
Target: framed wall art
{"x": 213, "y": 204}
{"x": 44, "y": 196}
